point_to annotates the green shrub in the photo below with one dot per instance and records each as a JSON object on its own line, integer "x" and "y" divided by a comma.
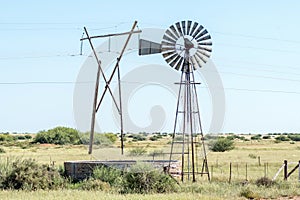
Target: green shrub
{"x": 28, "y": 175}
{"x": 256, "y": 137}
{"x": 99, "y": 139}
{"x": 108, "y": 174}
{"x": 231, "y": 137}
{"x": 248, "y": 193}
{"x": 58, "y": 135}
{"x": 143, "y": 178}
{"x": 20, "y": 137}
{"x": 264, "y": 181}
{"x": 5, "y": 137}
{"x": 28, "y": 137}
{"x": 221, "y": 145}
{"x": 266, "y": 137}
{"x": 138, "y": 137}
{"x": 295, "y": 138}
{"x": 93, "y": 184}
{"x": 112, "y": 137}
{"x": 153, "y": 138}
{"x": 282, "y": 138}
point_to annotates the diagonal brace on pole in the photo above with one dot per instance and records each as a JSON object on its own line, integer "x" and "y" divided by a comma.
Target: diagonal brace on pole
{"x": 116, "y": 66}
{"x": 102, "y": 73}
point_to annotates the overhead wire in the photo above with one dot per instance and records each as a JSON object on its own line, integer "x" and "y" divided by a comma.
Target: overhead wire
{"x": 136, "y": 82}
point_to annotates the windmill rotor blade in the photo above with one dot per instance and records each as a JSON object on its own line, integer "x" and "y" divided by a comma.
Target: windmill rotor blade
{"x": 207, "y": 37}
{"x": 169, "y": 33}
{"x": 174, "y": 31}
{"x": 175, "y": 61}
{"x": 179, "y": 28}
{"x": 171, "y": 58}
{"x": 179, "y": 64}
{"x": 205, "y": 48}
{"x": 189, "y": 23}
{"x": 205, "y": 43}
{"x": 169, "y": 39}
{"x": 183, "y": 27}
{"x": 190, "y": 63}
{"x": 199, "y": 62}
{"x": 194, "y": 62}
{"x": 194, "y": 28}
{"x": 204, "y": 53}
{"x": 164, "y": 49}
{"x": 197, "y": 31}
{"x": 164, "y": 43}
{"x": 167, "y": 54}
{"x": 201, "y": 57}
{"x": 201, "y": 34}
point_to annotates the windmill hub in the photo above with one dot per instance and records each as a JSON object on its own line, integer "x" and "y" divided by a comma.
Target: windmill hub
{"x": 185, "y": 46}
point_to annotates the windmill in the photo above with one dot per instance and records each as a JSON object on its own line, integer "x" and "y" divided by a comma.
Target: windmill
{"x": 185, "y": 46}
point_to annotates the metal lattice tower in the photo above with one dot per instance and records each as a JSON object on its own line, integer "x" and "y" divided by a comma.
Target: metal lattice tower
{"x": 185, "y": 46}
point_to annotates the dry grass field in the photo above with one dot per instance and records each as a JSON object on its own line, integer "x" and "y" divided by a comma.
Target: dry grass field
{"x": 262, "y": 158}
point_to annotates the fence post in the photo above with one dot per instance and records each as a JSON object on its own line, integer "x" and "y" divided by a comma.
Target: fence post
{"x": 246, "y": 171}
{"x": 259, "y": 164}
{"x": 285, "y": 169}
{"x": 299, "y": 170}
{"x": 230, "y": 172}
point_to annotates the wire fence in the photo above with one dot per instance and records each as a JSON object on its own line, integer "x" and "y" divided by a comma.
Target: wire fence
{"x": 243, "y": 171}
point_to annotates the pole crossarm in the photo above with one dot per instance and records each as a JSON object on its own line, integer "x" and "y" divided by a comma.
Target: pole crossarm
{"x": 110, "y": 35}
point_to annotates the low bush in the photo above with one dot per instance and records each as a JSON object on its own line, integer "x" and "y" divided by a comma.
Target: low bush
{"x": 93, "y": 184}
{"x": 111, "y": 136}
{"x": 6, "y": 137}
{"x": 266, "y": 137}
{"x": 264, "y": 181}
{"x": 143, "y": 178}
{"x": 295, "y": 138}
{"x": 99, "y": 139}
{"x": 248, "y": 193}
{"x": 28, "y": 175}
{"x": 108, "y": 174}
{"x": 58, "y": 135}
{"x": 282, "y": 138}
{"x": 138, "y": 137}
{"x": 256, "y": 137}
{"x": 221, "y": 145}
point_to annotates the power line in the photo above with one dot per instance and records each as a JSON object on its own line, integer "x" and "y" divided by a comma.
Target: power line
{"x": 257, "y": 48}
{"x": 136, "y": 82}
{"x": 256, "y": 37}
{"x": 42, "y": 56}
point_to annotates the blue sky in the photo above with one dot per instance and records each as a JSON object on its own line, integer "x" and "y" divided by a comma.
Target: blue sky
{"x": 256, "y": 48}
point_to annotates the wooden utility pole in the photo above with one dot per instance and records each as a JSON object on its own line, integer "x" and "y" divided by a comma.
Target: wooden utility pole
{"x": 107, "y": 86}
